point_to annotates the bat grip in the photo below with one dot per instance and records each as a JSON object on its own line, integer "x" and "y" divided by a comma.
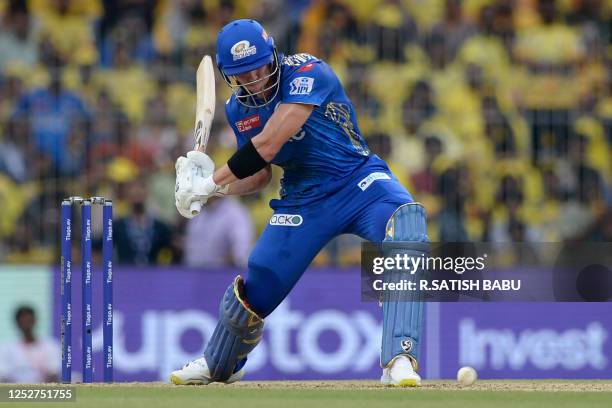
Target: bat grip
{"x": 195, "y": 208}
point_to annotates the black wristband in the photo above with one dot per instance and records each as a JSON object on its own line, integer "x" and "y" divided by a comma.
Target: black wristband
{"x": 246, "y": 161}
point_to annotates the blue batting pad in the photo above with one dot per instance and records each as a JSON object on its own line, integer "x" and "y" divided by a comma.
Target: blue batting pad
{"x": 402, "y": 310}
{"x": 238, "y": 332}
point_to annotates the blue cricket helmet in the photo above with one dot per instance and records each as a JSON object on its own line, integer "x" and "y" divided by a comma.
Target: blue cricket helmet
{"x": 242, "y": 46}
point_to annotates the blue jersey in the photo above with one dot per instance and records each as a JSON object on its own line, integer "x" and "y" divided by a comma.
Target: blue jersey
{"x": 328, "y": 148}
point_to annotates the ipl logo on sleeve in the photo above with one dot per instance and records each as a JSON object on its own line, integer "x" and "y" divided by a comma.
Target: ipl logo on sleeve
{"x": 301, "y": 86}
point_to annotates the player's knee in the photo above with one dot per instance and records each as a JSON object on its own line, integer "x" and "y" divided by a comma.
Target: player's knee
{"x": 264, "y": 289}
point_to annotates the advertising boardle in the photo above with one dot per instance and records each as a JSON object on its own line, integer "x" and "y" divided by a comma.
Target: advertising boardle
{"x": 325, "y": 344}
{"x": 339, "y": 336}
{"x": 336, "y": 337}
{"x": 544, "y": 349}
{"x": 527, "y": 340}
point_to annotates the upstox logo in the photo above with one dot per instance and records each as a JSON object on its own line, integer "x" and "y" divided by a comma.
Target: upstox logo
{"x": 286, "y": 220}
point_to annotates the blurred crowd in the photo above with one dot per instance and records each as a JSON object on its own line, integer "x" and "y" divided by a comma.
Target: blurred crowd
{"x": 496, "y": 114}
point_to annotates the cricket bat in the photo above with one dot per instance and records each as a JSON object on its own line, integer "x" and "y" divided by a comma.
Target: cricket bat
{"x": 205, "y": 111}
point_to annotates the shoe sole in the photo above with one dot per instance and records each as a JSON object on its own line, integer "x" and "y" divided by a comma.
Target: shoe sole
{"x": 176, "y": 380}
{"x": 403, "y": 383}
{"x": 409, "y": 383}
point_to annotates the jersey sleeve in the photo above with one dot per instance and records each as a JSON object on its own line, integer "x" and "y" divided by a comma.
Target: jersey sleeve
{"x": 310, "y": 84}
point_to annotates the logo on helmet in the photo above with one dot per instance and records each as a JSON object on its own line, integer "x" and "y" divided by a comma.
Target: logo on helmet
{"x": 243, "y": 49}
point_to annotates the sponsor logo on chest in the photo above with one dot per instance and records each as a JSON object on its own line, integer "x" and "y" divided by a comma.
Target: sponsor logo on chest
{"x": 248, "y": 123}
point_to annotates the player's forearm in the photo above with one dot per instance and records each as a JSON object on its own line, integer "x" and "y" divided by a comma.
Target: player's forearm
{"x": 251, "y": 184}
{"x": 223, "y": 176}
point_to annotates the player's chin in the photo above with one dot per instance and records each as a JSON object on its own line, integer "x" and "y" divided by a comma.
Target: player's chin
{"x": 256, "y": 91}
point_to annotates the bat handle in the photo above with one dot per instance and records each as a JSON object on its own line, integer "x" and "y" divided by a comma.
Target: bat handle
{"x": 195, "y": 208}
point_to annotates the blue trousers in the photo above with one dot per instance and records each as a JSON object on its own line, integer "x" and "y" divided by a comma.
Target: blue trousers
{"x": 360, "y": 205}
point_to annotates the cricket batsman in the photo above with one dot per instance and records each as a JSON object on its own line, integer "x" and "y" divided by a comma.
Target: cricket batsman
{"x": 292, "y": 111}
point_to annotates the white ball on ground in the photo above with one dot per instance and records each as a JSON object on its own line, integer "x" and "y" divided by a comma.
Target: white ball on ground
{"x": 466, "y": 376}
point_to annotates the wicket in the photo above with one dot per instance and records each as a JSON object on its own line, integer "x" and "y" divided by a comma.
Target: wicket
{"x": 86, "y": 287}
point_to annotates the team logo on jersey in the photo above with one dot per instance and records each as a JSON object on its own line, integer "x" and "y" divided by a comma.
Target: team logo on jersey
{"x": 243, "y": 49}
{"x": 301, "y": 86}
{"x": 286, "y": 220}
{"x": 372, "y": 177}
{"x": 248, "y": 123}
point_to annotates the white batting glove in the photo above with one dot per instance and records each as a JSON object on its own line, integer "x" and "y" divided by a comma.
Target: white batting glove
{"x": 202, "y": 161}
{"x": 183, "y": 191}
{"x": 203, "y": 184}
{"x": 194, "y": 182}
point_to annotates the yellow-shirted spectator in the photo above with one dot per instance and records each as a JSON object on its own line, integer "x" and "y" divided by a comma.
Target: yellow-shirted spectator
{"x": 68, "y": 25}
{"x": 312, "y": 21}
{"x": 178, "y": 97}
{"x": 180, "y": 24}
{"x": 90, "y": 9}
{"x": 485, "y": 48}
{"x": 549, "y": 43}
{"x": 123, "y": 79}
{"x": 523, "y": 170}
{"x": 459, "y": 102}
{"x": 14, "y": 198}
{"x": 425, "y": 12}
{"x": 549, "y": 52}
{"x": 598, "y": 150}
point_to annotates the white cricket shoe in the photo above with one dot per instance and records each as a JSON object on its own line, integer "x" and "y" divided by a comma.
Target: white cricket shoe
{"x": 196, "y": 373}
{"x": 400, "y": 372}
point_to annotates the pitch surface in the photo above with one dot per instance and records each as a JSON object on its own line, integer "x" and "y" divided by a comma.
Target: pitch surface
{"x": 331, "y": 394}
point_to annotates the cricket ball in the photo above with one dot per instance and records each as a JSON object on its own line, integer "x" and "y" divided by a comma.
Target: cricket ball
{"x": 466, "y": 376}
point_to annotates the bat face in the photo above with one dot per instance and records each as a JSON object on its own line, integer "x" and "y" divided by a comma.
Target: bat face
{"x": 205, "y": 106}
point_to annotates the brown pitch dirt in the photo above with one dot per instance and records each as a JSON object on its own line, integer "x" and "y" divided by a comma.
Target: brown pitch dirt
{"x": 480, "y": 385}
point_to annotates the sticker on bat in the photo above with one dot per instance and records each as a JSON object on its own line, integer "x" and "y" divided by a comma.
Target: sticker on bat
{"x": 198, "y": 133}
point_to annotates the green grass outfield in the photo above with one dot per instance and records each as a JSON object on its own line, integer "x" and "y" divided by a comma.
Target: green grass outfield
{"x": 330, "y": 394}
